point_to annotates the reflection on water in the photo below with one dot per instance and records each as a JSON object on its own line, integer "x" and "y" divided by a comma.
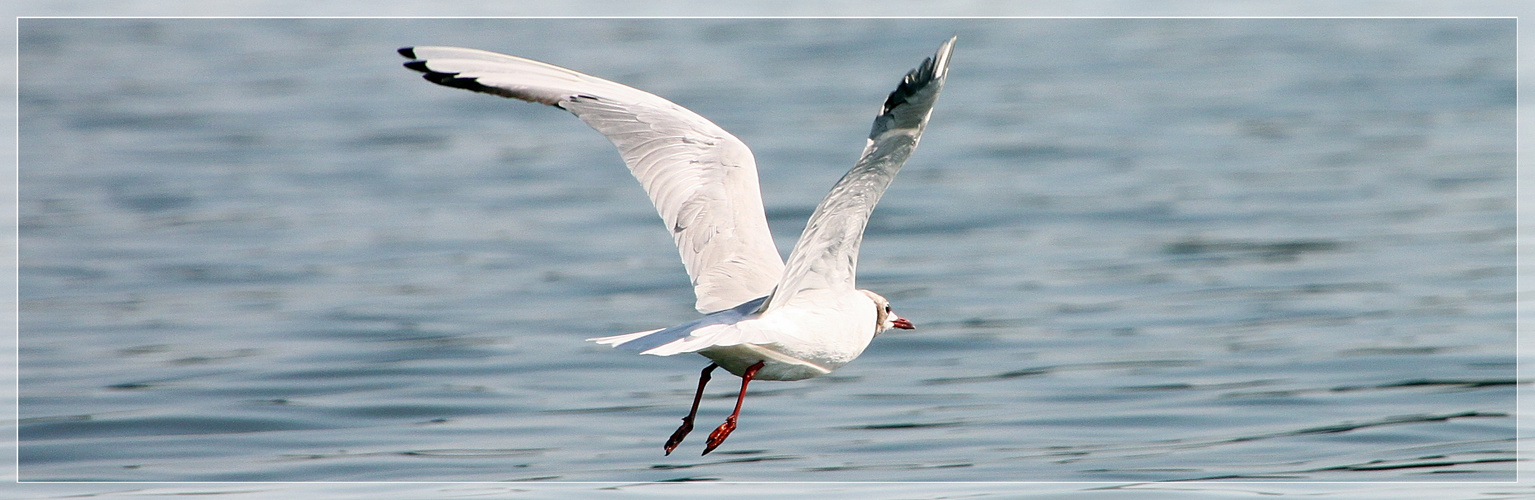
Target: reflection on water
{"x": 1138, "y": 250}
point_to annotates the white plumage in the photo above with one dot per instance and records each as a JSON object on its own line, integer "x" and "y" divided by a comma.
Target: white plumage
{"x": 763, "y": 319}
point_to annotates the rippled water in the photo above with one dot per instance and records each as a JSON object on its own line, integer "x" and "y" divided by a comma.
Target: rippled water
{"x": 1136, "y": 250}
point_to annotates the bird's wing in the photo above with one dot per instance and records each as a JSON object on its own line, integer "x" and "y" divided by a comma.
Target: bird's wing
{"x": 826, "y": 256}
{"x": 702, "y": 180}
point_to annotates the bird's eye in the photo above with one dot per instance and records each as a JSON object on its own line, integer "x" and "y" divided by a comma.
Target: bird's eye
{"x": 887, "y": 308}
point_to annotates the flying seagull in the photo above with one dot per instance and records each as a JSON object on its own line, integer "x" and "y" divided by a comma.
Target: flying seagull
{"x": 763, "y": 319}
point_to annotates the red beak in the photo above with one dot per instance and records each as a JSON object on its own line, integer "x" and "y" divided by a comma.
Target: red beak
{"x": 903, "y": 324}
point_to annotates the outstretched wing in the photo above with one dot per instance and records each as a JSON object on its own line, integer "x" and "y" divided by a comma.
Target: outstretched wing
{"x": 826, "y": 256}
{"x": 702, "y": 180}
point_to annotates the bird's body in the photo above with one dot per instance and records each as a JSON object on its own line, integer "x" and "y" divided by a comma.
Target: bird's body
{"x": 795, "y": 343}
{"x": 765, "y": 318}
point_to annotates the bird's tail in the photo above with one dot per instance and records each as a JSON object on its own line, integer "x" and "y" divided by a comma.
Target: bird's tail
{"x": 618, "y": 340}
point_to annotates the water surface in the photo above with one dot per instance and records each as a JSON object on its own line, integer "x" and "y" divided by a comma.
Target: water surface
{"x": 1136, "y": 250}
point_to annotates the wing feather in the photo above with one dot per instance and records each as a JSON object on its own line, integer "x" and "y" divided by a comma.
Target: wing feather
{"x": 826, "y": 256}
{"x": 702, "y": 180}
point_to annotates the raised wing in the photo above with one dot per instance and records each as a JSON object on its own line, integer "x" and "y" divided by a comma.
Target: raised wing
{"x": 702, "y": 180}
{"x": 826, "y": 256}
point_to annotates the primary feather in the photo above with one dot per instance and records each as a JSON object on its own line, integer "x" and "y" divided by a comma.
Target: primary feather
{"x": 702, "y": 180}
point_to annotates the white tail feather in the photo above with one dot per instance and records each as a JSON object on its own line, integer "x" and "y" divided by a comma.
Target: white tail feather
{"x": 618, "y": 340}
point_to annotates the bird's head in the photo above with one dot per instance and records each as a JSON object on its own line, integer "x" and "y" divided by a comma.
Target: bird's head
{"x": 884, "y": 317}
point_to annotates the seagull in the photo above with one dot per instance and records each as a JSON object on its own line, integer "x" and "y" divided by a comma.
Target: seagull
{"x": 763, "y": 319}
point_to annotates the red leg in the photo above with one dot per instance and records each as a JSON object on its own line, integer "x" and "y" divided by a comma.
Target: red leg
{"x": 687, "y": 422}
{"x": 724, "y": 430}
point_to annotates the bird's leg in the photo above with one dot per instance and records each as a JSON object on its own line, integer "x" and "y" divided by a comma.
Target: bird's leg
{"x": 724, "y": 430}
{"x": 687, "y": 422}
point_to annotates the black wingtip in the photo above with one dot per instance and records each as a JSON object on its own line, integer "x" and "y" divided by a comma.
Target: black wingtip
{"x": 914, "y": 81}
{"x": 455, "y": 81}
{"x": 408, "y": 52}
{"x": 926, "y": 79}
{"x": 458, "y": 82}
{"x": 450, "y": 80}
{"x": 932, "y": 68}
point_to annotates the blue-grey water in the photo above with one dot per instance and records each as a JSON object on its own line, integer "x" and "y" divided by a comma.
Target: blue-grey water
{"x": 1136, "y": 250}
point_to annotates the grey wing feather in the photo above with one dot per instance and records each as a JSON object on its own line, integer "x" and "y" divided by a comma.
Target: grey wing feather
{"x": 826, "y": 256}
{"x": 702, "y": 180}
